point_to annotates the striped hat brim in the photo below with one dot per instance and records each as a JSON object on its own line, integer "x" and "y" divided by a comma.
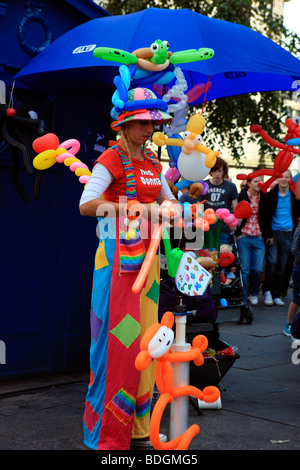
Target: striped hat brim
{"x": 160, "y": 117}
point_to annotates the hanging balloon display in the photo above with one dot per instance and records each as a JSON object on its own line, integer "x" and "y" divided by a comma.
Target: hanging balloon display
{"x": 284, "y": 158}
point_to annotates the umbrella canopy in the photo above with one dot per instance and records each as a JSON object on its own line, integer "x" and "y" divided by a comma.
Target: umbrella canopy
{"x": 244, "y": 61}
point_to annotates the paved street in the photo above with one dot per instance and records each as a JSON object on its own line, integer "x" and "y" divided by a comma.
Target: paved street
{"x": 260, "y": 398}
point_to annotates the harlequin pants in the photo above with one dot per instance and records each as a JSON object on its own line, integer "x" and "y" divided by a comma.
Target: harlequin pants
{"x": 118, "y": 399}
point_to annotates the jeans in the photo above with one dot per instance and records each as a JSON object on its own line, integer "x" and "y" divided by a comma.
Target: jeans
{"x": 252, "y": 258}
{"x": 277, "y": 256}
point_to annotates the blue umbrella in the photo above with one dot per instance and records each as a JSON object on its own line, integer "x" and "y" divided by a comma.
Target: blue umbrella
{"x": 244, "y": 61}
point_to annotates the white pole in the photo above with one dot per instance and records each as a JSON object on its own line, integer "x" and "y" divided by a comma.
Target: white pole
{"x": 179, "y": 408}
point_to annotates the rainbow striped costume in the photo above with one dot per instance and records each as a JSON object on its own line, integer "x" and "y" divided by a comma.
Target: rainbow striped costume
{"x": 118, "y": 400}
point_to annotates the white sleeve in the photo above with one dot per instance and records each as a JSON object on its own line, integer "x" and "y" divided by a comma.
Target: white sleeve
{"x": 98, "y": 183}
{"x": 165, "y": 189}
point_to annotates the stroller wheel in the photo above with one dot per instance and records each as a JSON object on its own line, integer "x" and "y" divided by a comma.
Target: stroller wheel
{"x": 247, "y": 313}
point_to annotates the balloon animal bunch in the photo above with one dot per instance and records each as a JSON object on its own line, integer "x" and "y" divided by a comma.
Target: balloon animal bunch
{"x": 18, "y": 132}
{"x": 243, "y": 210}
{"x": 284, "y": 158}
{"x": 203, "y": 222}
{"x": 50, "y": 151}
{"x": 156, "y": 344}
{"x": 133, "y": 212}
{"x": 195, "y": 160}
{"x": 198, "y": 220}
{"x": 209, "y": 218}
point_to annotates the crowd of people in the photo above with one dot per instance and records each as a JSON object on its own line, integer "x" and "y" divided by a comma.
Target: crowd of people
{"x": 267, "y": 252}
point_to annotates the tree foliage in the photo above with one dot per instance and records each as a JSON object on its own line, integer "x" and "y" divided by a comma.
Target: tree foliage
{"x": 229, "y": 118}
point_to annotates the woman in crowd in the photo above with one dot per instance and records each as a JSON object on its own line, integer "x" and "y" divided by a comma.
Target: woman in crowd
{"x": 250, "y": 239}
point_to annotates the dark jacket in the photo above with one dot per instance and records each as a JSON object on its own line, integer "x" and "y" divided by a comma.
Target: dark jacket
{"x": 296, "y": 246}
{"x": 272, "y": 200}
{"x": 262, "y": 208}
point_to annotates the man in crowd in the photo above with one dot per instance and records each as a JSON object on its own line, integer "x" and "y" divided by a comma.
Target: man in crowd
{"x": 222, "y": 194}
{"x": 282, "y": 219}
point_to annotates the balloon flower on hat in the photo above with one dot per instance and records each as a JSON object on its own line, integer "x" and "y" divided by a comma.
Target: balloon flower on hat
{"x": 156, "y": 344}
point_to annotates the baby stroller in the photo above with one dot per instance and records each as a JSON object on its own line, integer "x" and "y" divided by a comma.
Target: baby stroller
{"x": 230, "y": 299}
{"x": 202, "y": 318}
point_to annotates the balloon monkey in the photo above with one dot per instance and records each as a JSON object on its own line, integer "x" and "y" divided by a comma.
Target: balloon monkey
{"x": 156, "y": 344}
{"x": 284, "y": 158}
{"x": 195, "y": 160}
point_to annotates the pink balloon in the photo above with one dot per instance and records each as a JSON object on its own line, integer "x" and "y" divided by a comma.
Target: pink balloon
{"x": 229, "y": 219}
{"x": 197, "y": 91}
{"x": 222, "y": 213}
{"x": 63, "y": 156}
{"x": 172, "y": 174}
{"x": 84, "y": 179}
{"x": 71, "y": 145}
{"x": 76, "y": 165}
{"x": 235, "y": 223}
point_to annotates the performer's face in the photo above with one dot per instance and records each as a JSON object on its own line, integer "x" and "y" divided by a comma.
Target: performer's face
{"x": 139, "y": 131}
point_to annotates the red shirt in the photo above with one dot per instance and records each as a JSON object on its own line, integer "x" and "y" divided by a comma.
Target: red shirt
{"x": 148, "y": 184}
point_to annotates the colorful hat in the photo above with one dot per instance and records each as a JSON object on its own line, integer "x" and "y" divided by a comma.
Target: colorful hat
{"x": 142, "y": 104}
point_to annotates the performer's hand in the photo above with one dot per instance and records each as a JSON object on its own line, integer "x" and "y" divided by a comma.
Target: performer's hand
{"x": 172, "y": 210}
